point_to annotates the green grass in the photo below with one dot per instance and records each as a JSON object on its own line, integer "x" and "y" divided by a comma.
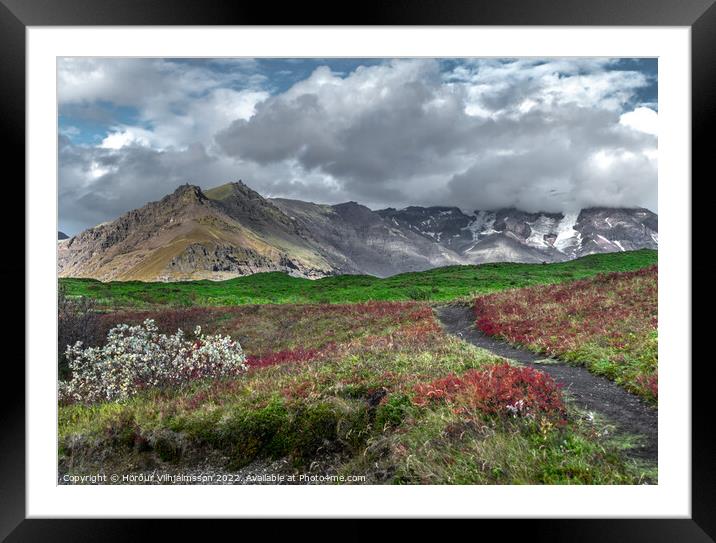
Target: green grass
{"x": 440, "y": 284}
{"x": 441, "y": 447}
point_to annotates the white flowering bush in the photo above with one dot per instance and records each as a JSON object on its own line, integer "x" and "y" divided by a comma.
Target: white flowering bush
{"x": 139, "y": 357}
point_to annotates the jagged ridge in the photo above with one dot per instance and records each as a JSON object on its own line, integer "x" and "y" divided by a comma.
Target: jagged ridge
{"x": 232, "y": 230}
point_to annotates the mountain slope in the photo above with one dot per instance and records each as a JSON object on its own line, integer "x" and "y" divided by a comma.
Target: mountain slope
{"x": 437, "y": 284}
{"x": 232, "y": 230}
{"x": 358, "y": 240}
{"x": 187, "y": 235}
{"x": 518, "y": 236}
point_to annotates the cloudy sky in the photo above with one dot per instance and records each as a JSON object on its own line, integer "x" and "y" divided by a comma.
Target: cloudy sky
{"x": 536, "y": 134}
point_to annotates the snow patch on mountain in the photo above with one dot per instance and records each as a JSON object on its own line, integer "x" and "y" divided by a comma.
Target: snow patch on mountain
{"x": 605, "y": 240}
{"x": 568, "y": 239}
{"x": 482, "y": 224}
{"x": 541, "y": 231}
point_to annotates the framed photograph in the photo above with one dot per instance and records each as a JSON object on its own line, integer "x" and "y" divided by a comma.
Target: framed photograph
{"x": 407, "y": 265}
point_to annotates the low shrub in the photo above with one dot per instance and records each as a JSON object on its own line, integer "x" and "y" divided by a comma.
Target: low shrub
{"x": 298, "y": 430}
{"x": 501, "y": 389}
{"x": 138, "y": 357}
{"x": 649, "y": 385}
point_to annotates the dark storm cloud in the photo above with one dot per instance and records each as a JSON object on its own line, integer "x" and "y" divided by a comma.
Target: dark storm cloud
{"x": 125, "y": 179}
{"x": 391, "y": 133}
{"x": 540, "y": 135}
{"x": 498, "y": 137}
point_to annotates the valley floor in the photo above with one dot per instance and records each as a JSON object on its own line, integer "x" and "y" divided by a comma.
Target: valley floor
{"x": 439, "y": 284}
{"x": 382, "y": 392}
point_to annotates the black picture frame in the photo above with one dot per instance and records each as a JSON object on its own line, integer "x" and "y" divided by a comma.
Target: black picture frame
{"x": 16, "y": 15}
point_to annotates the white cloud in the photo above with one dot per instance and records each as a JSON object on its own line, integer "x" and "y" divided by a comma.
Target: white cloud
{"x": 494, "y": 85}
{"x": 142, "y": 83}
{"x": 643, "y": 119}
{"x": 128, "y": 135}
{"x": 176, "y": 104}
{"x": 198, "y": 123}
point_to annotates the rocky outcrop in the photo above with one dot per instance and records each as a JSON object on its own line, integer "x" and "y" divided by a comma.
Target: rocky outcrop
{"x": 608, "y": 230}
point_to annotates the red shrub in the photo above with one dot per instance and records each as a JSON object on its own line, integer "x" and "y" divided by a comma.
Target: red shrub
{"x": 501, "y": 389}
{"x": 285, "y": 357}
{"x": 555, "y": 319}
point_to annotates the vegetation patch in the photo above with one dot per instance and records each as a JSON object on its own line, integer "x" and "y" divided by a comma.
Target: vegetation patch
{"x": 279, "y": 331}
{"x": 139, "y": 357}
{"x": 501, "y": 390}
{"x": 608, "y": 323}
{"x": 355, "y": 405}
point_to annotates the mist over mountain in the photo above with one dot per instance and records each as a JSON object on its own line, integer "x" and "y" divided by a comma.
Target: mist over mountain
{"x": 232, "y": 230}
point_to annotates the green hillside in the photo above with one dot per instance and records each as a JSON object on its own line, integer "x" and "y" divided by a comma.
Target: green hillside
{"x": 438, "y": 284}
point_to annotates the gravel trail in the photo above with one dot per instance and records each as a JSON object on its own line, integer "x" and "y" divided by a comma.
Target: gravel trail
{"x": 628, "y": 412}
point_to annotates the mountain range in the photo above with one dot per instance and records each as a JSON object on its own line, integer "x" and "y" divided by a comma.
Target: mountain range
{"x": 232, "y": 230}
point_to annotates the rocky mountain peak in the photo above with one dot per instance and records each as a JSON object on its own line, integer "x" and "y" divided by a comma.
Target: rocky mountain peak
{"x": 233, "y": 190}
{"x": 245, "y": 204}
{"x": 188, "y": 194}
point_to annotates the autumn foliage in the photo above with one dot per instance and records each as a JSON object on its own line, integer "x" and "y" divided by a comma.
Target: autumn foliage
{"x": 608, "y": 323}
{"x": 501, "y": 389}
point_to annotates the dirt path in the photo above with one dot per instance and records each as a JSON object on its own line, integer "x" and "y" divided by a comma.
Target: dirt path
{"x": 626, "y": 411}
